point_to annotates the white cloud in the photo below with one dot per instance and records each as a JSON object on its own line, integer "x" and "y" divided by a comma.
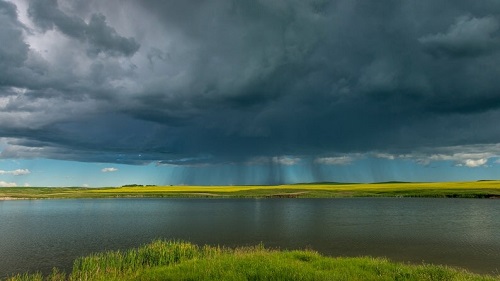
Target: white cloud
{"x": 285, "y": 160}
{"x": 472, "y": 163}
{"x": 7, "y": 184}
{"x": 471, "y": 156}
{"x": 281, "y": 160}
{"x": 385, "y": 156}
{"x": 109, "y": 170}
{"x": 17, "y": 172}
{"x": 85, "y": 185}
{"x": 470, "y": 160}
{"x": 27, "y": 184}
{"x": 341, "y": 160}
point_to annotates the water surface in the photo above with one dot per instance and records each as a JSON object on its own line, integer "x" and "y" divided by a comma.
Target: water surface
{"x": 40, "y": 234}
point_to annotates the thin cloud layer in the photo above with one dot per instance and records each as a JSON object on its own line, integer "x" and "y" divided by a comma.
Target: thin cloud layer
{"x": 7, "y": 184}
{"x": 340, "y": 160}
{"x": 17, "y": 172}
{"x": 109, "y": 170}
{"x": 200, "y": 83}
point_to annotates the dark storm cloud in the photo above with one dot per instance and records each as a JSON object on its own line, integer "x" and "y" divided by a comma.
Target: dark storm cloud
{"x": 97, "y": 33}
{"x": 467, "y": 37}
{"x": 232, "y": 81}
{"x": 13, "y": 50}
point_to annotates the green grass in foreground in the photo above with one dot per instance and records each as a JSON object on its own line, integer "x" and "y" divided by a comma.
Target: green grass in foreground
{"x": 174, "y": 260}
{"x": 477, "y": 189}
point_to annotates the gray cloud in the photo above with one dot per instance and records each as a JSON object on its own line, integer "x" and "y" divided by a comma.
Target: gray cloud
{"x": 13, "y": 50}
{"x": 97, "y": 33}
{"x": 231, "y": 81}
{"x": 466, "y": 37}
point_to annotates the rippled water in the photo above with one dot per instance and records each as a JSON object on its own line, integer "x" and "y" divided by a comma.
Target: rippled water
{"x": 38, "y": 235}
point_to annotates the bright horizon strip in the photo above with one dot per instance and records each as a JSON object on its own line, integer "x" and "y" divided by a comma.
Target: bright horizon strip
{"x": 68, "y": 173}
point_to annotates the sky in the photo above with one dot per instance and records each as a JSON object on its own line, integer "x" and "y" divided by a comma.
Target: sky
{"x": 107, "y": 93}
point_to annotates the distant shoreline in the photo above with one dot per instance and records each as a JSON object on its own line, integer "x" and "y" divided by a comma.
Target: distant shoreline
{"x": 476, "y": 189}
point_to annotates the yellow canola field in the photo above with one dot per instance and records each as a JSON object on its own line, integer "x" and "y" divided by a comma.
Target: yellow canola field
{"x": 328, "y": 187}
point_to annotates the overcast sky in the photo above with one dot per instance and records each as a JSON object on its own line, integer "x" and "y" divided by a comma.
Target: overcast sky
{"x": 239, "y": 92}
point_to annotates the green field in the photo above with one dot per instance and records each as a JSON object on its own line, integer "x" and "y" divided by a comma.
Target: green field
{"x": 174, "y": 260}
{"x": 477, "y": 189}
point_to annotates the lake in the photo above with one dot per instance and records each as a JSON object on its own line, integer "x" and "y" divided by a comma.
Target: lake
{"x": 36, "y": 235}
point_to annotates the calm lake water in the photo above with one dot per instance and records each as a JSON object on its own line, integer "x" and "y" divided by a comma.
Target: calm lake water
{"x": 40, "y": 234}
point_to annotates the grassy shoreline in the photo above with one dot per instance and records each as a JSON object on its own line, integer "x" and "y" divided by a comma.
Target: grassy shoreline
{"x": 477, "y": 189}
{"x": 177, "y": 260}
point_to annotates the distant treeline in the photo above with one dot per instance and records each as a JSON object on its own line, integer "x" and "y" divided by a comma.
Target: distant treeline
{"x": 137, "y": 185}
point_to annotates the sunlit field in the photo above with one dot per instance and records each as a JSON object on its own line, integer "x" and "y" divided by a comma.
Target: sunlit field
{"x": 478, "y": 189}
